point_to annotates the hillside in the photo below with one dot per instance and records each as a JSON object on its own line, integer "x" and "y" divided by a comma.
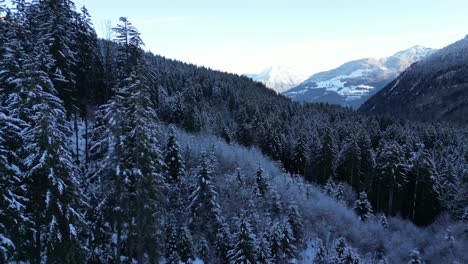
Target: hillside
{"x": 110, "y": 154}
{"x": 354, "y": 82}
{"x": 434, "y": 89}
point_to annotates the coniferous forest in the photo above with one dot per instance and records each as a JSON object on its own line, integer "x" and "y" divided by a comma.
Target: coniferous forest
{"x": 110, "y": 154}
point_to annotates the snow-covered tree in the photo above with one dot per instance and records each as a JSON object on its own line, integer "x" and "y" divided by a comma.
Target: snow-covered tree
{"x": 262, "y": 185}
{"x": 11, "y": 200}
{"x": 205, "y": 210}
{"x": 129, "y": 51}
{"x": 174, "y": 165}
{"x": 276, "y": 249}
{"x": 54, "y": 25}
{"x": 320, "y": 253}
{"x": 327, "y": 156}
{"x": 415, "y": 258}
{"x": 362, "y": 207}
{"x": 263, "y": 249}
{"x": 185, "y": 249}
{"x": 223, "y": 243}
{"x": 349, "y": 163}
{"x": 53, "y": 194}
{"x": 287, "y": 242}
{"x": 295, "y": 222}
{"x": 392, "y": 169}
{"x": 134, "y": 184}
{"x": 244, "y": 247}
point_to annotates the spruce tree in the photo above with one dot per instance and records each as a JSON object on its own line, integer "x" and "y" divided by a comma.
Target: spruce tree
{"x": 54, "y": 25}
{"x": 185, "y": 249}
{"x": 244, "y": 249}
{"x": 223, "y": 244}
{"x": 262, "y": 185}
{"x": 295, "y": 222}
{"x": 129, "y": 51}
{"x": 392, "y": 169}
{"x": 11, "y": 200}
{"x": 320, "y": 253}
{"x": 52, "y": 188}
{"x": 362, "y": 207}
{"x": 276, "y": 249}
{"x": 327, "y": 156}
{"x": 205, "y": 210}
{"x": 174, "y": 165}
{"x": 287, "y": 242}
{"x": 349, "y": 163}
{"x": 263, "y": 250}
{"x": 134, "y": 186}
{"x": 415, "y": 258}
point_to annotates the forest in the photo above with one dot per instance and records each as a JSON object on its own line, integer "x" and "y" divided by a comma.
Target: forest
{"x": 111, "y": 154}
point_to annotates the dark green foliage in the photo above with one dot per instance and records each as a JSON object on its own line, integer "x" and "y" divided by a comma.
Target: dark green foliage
{"x": 362, "y": 207}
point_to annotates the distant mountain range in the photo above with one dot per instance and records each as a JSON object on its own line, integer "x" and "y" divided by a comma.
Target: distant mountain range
{"x": 354, "y": 82}
{"x": 434, "y": 89}
{"x": 279, "y": 78}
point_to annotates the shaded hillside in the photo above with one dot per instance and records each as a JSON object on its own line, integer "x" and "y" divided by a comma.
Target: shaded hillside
{"x": 434, "y": 89}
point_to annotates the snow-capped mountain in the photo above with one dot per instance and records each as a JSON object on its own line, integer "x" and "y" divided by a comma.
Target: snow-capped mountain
{"x": 433, "y": 89}
{"x": 279, "y": 78}
{"x": 354, "y": 82}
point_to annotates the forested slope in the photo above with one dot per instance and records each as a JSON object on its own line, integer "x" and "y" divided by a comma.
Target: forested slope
{"x": 89, "y": 174}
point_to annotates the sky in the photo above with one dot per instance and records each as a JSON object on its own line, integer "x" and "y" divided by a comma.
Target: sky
{"x": 246, "y": 36}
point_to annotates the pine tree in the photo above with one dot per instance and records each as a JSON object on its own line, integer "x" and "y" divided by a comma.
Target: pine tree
{"x": 263, "y": 251}
{"x": 415, "y": 258}
{"x": 383, "y": 220}
{"x": 276, "y": 250}
{"x": 330, "y": 187}
{"x": 362, "y": 207}
{"x": 276, "y": 207}
{"x": 339, "y": 193}
{"x": 203, "y": 250}
{"x": 392, "y": 169}
{"x": 320, "y": 253}
{"x": 349, "y": 163}
{"x": 11, "y": 200}
{"x": 327, "y": 157}
{"x": 174, "y": 165}
{"x": 340, "y": 250}
{"x": 129, "y": 52}
{"x": 52, "y": 187}
{"x": 205, "y": 210}
{"x": 295, "y": 222}
{"x": 244, "y": 249}
{"x": 287, "y": 242}
{"x": 172, "y": 242}
{"x": 262, "y": 185}
{"x": 185, "y": 249}
{"x": 300, "y": 155}
{"x": 134, "y": 184}
{"x": 424, "y": 203}
{"x": 223, "y": 244}
{"x": 89, "y": 67}
{"x": 54, "y": 25}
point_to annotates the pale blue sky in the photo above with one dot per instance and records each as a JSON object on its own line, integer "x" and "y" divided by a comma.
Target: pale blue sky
{"x": 245, "y": 36}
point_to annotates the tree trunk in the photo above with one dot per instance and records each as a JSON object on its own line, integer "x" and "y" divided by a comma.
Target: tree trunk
{"x": 390, "y": 201}
{"x": 413, "y": 209}
{"x": 77, "y": 149}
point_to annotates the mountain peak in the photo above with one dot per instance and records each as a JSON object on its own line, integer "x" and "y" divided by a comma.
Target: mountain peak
{"x": 279, "y": 77}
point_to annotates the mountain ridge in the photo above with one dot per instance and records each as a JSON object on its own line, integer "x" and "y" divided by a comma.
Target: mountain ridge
{"x": 434, "y": 89}
{"x": 352, "y": 83}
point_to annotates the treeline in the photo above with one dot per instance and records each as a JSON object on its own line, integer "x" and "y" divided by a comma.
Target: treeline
{"x": 111, "y": 196}
{"x": 415, "y": 170}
